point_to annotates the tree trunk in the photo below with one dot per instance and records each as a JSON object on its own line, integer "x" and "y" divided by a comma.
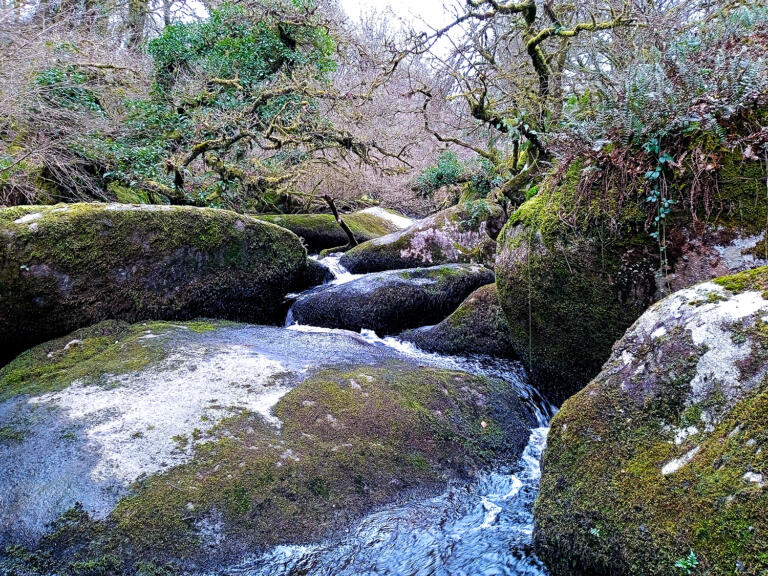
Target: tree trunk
{"x": 136, "y": 21}
{"x": 351, "y": 237}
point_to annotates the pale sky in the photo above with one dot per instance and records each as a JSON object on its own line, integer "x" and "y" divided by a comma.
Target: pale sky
{"x": 410, "y": 10}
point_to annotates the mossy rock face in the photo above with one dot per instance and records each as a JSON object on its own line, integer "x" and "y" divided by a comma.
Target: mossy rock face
{"x": 573, "y": 275}
{"x": 566, "y": 305}
{"x": 390, "y": 302}
{"x": 663, "y": 458}
{"x": 478, "y": 326}
{"x": 462, "y": 234}
{"x": 321, "y": 231}
{"x": 67, "y": 266}
{"x": 282, "y": 436}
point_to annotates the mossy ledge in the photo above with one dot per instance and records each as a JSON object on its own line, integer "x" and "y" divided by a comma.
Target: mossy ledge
{"x": 390, "y": 302}
{"x": 464, "y": 233}
{"x": 478, "y": 326}
{"x": 321, "y": 231}
{"x": 67, "y": 266}
{"x": 665, "y": 453}
{"x": 110, "y": 347}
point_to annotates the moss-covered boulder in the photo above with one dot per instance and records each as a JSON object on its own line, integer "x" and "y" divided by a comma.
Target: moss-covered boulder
{"x": 577, "y": 263}
{"x": 478, "y": 326}
{"x": 462, "y": 234}
{"x": 661, "y": 462}
{"x": 322, "y": 232}
{"x": 283, "y": 436}
{"x": 390, "y": 302}
{"x": 67, "y": 266}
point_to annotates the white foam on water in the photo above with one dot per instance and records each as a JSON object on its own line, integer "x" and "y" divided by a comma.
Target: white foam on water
{"x": 340, "y": 274}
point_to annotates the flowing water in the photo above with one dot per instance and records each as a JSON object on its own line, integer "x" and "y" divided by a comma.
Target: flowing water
{"x": 482, "y": 528}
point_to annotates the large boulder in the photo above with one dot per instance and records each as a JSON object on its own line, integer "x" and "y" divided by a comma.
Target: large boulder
{"x": 321, "y": 231}
{"x": 390, "y": 302}
{"x": 461, "y": 234}
{"x": 661, "y": 464}
{"x": 478, "y": 326}
{"x": 574, "y": 271}
{"x": 67, "y": 266}
{"x": 283, "y": 436}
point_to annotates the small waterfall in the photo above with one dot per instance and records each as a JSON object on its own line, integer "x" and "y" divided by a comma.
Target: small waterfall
{"x": 484, "y": 527}
{"x": 340, "y": 276}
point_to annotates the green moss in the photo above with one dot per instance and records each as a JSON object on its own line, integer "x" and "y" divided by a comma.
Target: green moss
{"x": 477, "y": 326}
{"x": 582, "y": 258}
{"x": 201, "y": 326}
{"x": 691, "y": 416}
{"x": 11, "y": 434}
{"x": 437, "y": 273}
{"x": 88, "y": 355}
{"x": 461, "y": 234}
{"x": 75, "y": 265}
{"x": 127, "y": 195}
{"x": 568, "y": 302}
{"x": 351, "y": 439}
{"x": 322, "y": 232}
{"x": 711, "y": 298}
{"x": 108, "y": 348}
{"x": 741, "y": 194}
{"x": 755, "y": 279}
{"x": 603, "y": 468}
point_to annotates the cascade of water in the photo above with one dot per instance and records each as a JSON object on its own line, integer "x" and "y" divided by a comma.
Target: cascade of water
{"x": 340, "y": 276}
{"x": 482, "y": 528}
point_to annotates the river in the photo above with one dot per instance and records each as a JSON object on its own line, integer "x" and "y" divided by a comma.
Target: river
{"x": 482, "y": 528}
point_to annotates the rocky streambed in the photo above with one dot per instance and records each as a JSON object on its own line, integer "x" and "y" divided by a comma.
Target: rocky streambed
{"x": 221, "y": 447}
{"x": 150, "y": 442}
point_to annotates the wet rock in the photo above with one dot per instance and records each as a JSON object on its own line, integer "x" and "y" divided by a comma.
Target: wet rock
{"x": 462, "y": 234}
{"x": 478, "y": 326}
{"x": 67, "y": 266}
{"x": 389, "y": 302}
{"x": 192, "y": 445}
{"x": 315, "y": 274}
{"x": 665, "y": 453}
{"x": 321, "y": 231}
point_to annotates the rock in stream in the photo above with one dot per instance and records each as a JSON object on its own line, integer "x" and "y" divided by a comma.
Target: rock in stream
{"x": 389, "y": 302}
{"x": 194, "y": 444}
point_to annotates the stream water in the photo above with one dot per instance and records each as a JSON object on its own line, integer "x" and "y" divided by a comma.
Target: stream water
{"x": 481, "y": 528}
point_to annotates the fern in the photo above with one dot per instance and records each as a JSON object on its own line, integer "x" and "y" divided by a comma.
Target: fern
{"x": 706, "y": 74}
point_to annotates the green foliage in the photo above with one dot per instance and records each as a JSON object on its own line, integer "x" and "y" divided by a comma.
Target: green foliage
{"x": 694, "y": 85}
{"x": 474, "y": 213}
{"x": 212, "y": 79}
{"x": 688, "y": 564}
{"x": 66, "y": 87}
{"x": 152, "y": 129}
{"x": 445, "y": 172}
{"x": 658, "y": 197}
{"x": 448, "y": 170}
{"x": 229, "y": 45}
